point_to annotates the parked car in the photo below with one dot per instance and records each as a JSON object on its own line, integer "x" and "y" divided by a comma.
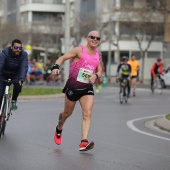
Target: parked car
{"x": 166, "y": 78}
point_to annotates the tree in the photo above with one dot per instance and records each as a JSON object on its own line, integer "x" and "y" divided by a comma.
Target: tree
{"x": 8, "y": 32}
{"x": 144, "y": 25}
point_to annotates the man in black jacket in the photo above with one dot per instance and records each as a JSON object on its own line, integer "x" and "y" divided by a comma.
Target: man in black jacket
{"x": 14, "y": 65}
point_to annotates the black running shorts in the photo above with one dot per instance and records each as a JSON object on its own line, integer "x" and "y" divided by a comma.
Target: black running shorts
{"x": 74, "y": 95}
{"x": 133, "y": 77}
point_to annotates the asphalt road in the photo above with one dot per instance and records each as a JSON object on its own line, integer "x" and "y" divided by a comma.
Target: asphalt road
{"x": 122, "y": 139}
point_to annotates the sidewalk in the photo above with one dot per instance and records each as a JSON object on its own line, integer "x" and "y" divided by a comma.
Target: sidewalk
{"x": 163, "y": 123}
{"x": 41, "y": 97}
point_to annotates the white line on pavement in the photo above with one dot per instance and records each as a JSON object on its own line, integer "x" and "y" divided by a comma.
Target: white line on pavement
{"x": 131, "y": 126}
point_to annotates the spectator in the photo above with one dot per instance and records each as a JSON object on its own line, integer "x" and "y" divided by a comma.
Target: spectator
{"x": 31, "y": 71}
{"x": 40, "y": 71}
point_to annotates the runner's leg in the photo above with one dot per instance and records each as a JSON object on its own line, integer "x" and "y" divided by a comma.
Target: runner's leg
{"x": 68, "y": 110}
{"x": 134, "y": 84}
{"x": 86, "y": 103}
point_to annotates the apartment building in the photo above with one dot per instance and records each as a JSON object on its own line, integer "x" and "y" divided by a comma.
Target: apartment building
{"x": 126, "y": 26}
{"x": 39, "y": 21}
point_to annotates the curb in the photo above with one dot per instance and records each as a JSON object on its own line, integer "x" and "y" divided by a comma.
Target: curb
{"x": 41, "y": 97}
{"x": 163, "y": 124}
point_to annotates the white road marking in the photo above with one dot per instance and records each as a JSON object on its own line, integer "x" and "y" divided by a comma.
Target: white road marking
{"x": 131, "y": 126}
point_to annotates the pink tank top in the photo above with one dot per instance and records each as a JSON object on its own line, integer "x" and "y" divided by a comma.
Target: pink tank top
{"x": 80, "y": 70}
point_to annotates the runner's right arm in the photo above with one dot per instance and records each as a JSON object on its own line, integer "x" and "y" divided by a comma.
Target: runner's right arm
{"x": 74, "y": 53}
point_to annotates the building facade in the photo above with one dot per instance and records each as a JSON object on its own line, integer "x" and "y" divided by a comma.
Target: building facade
{"x": 141, "y": 27}
{"x": 127, "y": 27}
{"x": 39, "y": 21}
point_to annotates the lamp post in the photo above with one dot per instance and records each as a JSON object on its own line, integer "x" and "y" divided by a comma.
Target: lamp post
{"x": 67, "y": 38}
{"x": 109, "y": 47}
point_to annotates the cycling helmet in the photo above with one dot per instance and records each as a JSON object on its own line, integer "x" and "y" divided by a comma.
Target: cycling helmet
{"x": 124, "y": 58}
{"x": 159, "y": 59}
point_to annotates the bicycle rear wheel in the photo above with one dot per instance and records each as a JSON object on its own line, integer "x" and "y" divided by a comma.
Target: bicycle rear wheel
{"x": 160, "y": 87}
{"x": 126, "y": 94}
{"x": 121, "y": 96}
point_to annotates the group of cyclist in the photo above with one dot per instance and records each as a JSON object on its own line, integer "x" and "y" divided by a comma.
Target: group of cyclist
{"x": 129, "y": 69}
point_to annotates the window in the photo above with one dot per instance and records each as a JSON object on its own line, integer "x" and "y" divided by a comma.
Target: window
{"x": 156, "y": 4}
{"x": 154, "y": 55}
{"x": 57, "y": 1}
{"x": 12, "y": 18}
{"x": 11, "y": 5}
{"x": 87, "y": 9}
{"x": 126, "y": 28}
{"x": 127, "y": 3}
{"x": 37, "y": 1}
{"x": 137, "y": 55}
{"x": 50, "y": 17}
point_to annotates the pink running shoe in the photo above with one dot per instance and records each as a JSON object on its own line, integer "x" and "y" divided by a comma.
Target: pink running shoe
{"x": 85, "y": 145}
{"x": 58, "y": 137}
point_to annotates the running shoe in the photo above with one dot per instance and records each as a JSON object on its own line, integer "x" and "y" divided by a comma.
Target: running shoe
{"x": 14, "y": 105}
{"x": 85, "y": 145}
{"x": 58, "y": 136}
{"x": 97, "y": 91}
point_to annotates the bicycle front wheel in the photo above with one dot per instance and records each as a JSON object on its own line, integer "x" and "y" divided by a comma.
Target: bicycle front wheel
{"x": 3, "y": 115}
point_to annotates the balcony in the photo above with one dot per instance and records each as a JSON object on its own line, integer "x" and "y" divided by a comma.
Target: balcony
{"x": 41, "y": 27}
{"x": 42, "y": 7}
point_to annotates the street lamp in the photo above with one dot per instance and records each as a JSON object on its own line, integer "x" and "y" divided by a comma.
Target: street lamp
{"x": 67, "y": 38}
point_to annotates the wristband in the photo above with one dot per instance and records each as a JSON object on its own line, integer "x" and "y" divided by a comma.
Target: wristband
{"x": 97, "y": 77}
{"x": 55, "y": 66}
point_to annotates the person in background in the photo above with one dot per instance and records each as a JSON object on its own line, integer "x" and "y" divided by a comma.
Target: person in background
{"x": 31, "y": 71}
{"x": 47, "y": 70}
{"x": 134, "y": 72}
{"x": 100, "y": 80}
{"x": 85, "y": 69}
{"x": 48, "y": 77}
{"x": 157, "y": 68}
{"x": 14, "y": 65}
{"x": 40, "y": 71}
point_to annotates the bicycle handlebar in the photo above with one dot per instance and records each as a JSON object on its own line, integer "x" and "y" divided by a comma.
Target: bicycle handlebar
{"x": 8, "y": 81}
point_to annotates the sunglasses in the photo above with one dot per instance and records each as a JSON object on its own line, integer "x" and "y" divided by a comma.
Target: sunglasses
{"x": 17, "y": 47}
{"x": 93, "y": 37}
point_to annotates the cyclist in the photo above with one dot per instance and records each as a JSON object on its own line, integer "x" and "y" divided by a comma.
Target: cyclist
{"x": 125, "y": 72}
{"x": 14, "y": 65}
{"x": 157, "y": 68}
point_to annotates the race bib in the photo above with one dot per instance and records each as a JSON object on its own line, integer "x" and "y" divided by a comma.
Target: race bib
{"x": 83, "y": 75}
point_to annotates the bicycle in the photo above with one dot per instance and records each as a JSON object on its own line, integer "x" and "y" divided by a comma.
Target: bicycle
{"x": 123, "y": 94}
{"x": 5, "y": 111}
{"x": 157, "y": 86}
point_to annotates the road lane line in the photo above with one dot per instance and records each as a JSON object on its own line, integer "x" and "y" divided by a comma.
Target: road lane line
{"x": 131, "y": 126}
